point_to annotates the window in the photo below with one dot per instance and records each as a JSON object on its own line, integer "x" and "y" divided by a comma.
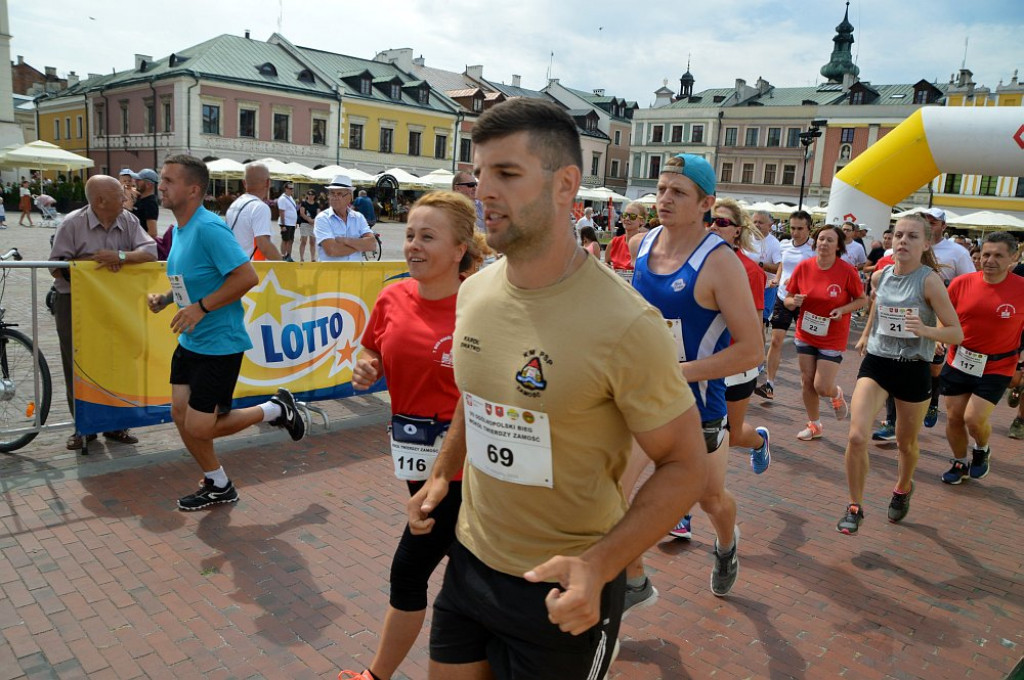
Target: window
{"x": 364, "y": 86}
{"x": 319, "y": 135}
{"x": 788, "y": 174}
{"x": 211, "y": 119}
{"x": 920, "y": 96}
{"x": 846, "y": 136}
{"x": 124, "y": 118}
{"x": 78, "y": 121}
{"x": 355, "y": 136}
{"x": 150, "y": 117}
{"x": 726, "y": 172}
{"x": 748, "y": 173}
{"x": 423, "y": 95}
{"x": 440, "y": 146}
{"x": 618, "y": 137}
{"x": 67, "y": 128}
{"x": 655, "y": 169}
{"x": 857, "y": 97}
{"x": 247, "y": 123}
{"x": 396, "y": 91}
{"x": 769, "y": 173}
{"x": 730, "y": 136}
{"x": 751, "y": 138}
{"x": 478, "y": 104}
{"x": 657, "y": 132}
{"x": 677, "y": 134}
{"x": 56, "y": 129}
{"x": 792, "y": 137}
{"x": 101, "y": 121}
{"x": 387, "y": 140}
{"x": 774, "y": 136}
{"x": 465, "y": 150}
{"x": 615, "y": 168}
{"x": 697, "y": 134}
{"x": 989, "y": 184}
{"x": 414, "y": 143}
{"x": 282, "y": 122}
{"x": 952, "y": 185}
{"x": 167, "y": 116}
{"x": 595, "y": 165}
{"x": 267, "y": 69}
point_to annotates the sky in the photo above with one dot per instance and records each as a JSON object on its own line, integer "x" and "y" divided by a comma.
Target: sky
{"x": 627, "y": 48}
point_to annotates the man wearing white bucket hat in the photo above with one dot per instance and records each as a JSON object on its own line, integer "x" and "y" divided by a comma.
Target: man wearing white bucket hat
{"x": 341, "y": 234}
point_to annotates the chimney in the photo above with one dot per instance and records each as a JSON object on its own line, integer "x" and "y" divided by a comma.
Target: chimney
{"x": 21, "y": 60}
{"x": 516, "y": 80}
{"x": 476, "y": 71}
{"x": 740, "y": 84}
{"x": 139, "y": 58}
{"x": 419, "y": 61}
{"x": 247, "y": 34}
{"x": 72, "y": 79}
{"x": 762, "y": 85}
{"x": 848, "y": 80}
{"x": 599, "y": 92}
{"x": 94, "y": 75}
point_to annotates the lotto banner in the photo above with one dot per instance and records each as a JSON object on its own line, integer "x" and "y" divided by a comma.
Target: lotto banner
{"x": 305, "y": 321}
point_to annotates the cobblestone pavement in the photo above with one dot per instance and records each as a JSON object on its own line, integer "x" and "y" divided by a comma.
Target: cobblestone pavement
{"x": 101, "y": 577}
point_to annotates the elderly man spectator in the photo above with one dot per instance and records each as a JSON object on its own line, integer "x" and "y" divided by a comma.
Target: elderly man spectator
{"x": 365, "y": 207}
{"x": 249, "y": 215}
{"x": 341, "y": 232}
{"x": 105, "y": 233}
{"x": 147, "y": 206}
{"x": 288, "y": 219}
{"x": 464, "y": 183}
{"x": 587, "y": 220}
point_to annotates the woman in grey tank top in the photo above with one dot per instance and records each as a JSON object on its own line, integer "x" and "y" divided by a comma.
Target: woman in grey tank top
{"x": 910, "y": 312}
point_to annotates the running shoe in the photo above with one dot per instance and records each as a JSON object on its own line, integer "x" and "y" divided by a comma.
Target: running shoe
{"x": 851, "y": 520}
{"x": 1016, "y": 430}
{"x": 899, "y": 506}
{"x": 639, "y": 597}
{"x": 839, "y": 404}
{"x": 979, "y": 463}
{"x": 957, "y": 473}
{"x": 682, "y": 530}
{"x": 932, "y": 416}
{"x": 352, "y": 675}
{"x": 208, "y": 495}
{"x": 727, "y": 567}
{"x": 1013, "y": 396}
{"x": 290, "y": 418}
{"x": 766, "y": 391}
{"x": 761, "y": 457}
{"x": 812, "y": 431}
{"x": 886, "y": 433}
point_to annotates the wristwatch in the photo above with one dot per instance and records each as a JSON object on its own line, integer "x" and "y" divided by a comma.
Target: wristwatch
{"x": 121, "y": 256}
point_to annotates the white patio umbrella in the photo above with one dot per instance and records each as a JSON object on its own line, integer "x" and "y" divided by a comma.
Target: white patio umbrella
{"x": 913, "y": 211}
{"x": 280, "y": 170}
{"x": 987, "y": 220}
{"x": 225, "y": 168}
{"x": 647, "y": 199}
{"x": 604, "y": 193}
{"x": 439, "y": 179}
{"x": 302, "y": 173}
{"x": 406, "y": 180}
{"x": 43, "y": 156}
{"x": 328, "y": 172}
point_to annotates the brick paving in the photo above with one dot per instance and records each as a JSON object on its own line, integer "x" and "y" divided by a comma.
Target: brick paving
{"x": 100, "y": 576}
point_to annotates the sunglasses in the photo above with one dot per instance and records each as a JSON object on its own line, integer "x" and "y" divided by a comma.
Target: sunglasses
{"x": 723, "y": 222}
{"x": 630, "y": 216}
{"x": 465, "y": 184}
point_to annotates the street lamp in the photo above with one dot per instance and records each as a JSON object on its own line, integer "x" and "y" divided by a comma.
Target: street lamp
{"x": 806, "y": 139}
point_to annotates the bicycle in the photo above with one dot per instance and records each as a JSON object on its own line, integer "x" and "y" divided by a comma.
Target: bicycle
{"x": 375, "y": 254}
{"x": 19, "y": 365}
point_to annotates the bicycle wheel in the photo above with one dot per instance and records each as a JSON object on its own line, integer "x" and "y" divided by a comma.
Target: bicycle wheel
{"x": 17, "y": 389}
{"x": 378, "y": 250}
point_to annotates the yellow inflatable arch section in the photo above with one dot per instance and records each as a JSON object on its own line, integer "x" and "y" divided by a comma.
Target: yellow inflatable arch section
{"x": 970, "y": 140}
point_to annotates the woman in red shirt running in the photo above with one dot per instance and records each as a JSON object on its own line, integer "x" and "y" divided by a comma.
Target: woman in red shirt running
{"x": 617, "y": 253}
{"x": 408, "y": 340}
{"x": 826, "y": 289}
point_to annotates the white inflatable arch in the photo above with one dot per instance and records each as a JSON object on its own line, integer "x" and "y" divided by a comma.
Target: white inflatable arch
{"x": 933, "y": 140}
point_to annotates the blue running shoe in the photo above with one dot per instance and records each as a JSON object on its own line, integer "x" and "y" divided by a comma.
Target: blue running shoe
{"x": 682, "y": 530}
{"x": 761, "y": 457}
{"x": 886, "y": 433}
{"x": 932, "y": 416}
{"x": 979, "y": 463}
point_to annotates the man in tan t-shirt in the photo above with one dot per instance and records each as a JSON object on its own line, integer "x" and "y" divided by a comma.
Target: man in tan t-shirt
{"x": 544, "y": 426}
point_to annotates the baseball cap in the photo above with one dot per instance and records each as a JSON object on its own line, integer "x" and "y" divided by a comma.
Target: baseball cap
{"x": 697, "y": 169}
{"x": 937, "y": 213}
{"x": 127, "y": 171}
{"x": 148, "y": 174}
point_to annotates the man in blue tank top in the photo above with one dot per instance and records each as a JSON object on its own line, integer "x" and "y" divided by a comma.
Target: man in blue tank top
{"x": 698, "y": 283}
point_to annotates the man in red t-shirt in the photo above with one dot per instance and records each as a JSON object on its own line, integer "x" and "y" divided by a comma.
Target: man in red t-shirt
{"x": 990, "y": 305}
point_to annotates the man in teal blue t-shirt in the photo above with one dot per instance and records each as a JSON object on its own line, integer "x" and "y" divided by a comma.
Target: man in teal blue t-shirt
{"x": 209, "y": 275}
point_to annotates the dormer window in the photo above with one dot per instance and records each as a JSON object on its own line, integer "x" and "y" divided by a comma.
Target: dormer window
{"x": 857, "y": 97}
{"x": 364, "y": 85}
{"x": 395, "y": 91}
{"x": 306, "y": 76}
{"x": 478, "y": 104}
{"x": 423, "y": 94}
{"x": 921, "y": 96}
{"x": 267, "y": 69}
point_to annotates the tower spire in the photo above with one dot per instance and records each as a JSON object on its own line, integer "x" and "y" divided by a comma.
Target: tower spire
{"x": 841, "y": 61}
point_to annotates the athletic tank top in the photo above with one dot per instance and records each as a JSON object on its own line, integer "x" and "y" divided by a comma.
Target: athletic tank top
{"x": 703, "y": 330}
{"x": 899, "y": 292}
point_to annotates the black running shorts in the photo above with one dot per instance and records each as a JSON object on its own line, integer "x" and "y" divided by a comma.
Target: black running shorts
{"x": 211, "y": 378}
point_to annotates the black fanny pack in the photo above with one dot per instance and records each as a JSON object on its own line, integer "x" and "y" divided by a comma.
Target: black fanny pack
{"x": 714, "y": 433}
{"x": 413, "y": 430}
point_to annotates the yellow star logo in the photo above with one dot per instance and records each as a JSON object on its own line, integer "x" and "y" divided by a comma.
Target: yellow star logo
{"x": 268, "y": 298}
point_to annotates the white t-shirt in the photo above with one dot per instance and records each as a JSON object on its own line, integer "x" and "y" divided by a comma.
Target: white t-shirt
{"x": 954, "y": 258}
{"x": 855, "y": 254}
{"x": 765, "y": 250}
{"x": 288, "y": 210}
{"x": 584, "y": 222}
{"x": 328, "y": 225}
{"x": 792, "y": 256}
{"x": 248, "y": 217}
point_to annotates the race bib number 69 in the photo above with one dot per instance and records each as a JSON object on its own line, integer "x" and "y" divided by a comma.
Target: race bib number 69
{"x": 508, "y": 443}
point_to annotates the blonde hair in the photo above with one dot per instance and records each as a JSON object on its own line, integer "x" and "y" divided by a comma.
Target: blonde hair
{"x": 461, "y": 214}
{"x": 927, "y": 257}
{"x": 746, "y": 237}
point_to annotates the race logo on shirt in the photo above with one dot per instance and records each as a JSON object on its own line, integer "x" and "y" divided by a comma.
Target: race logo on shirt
{"x": 678, "y": 285}
{"x": 1006, "y": 310}
{"x": 443, "y": 351}
{"x": 531, "y": 376}
{"x": 834, "y": 290}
